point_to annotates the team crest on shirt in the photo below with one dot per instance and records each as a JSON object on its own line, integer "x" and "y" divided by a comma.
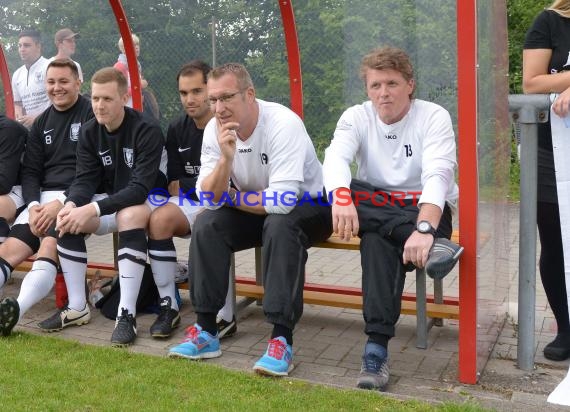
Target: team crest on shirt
{"x": 39, "y": 77}
{"x": 74, "y": 132}
{"x": 128, "y": 156}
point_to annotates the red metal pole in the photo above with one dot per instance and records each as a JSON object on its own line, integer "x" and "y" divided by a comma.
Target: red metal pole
{"x": 468, "y": 186}
{"x": 132, "y": 61}
{"x": 293, "y": 56}
{"x": 5, "y": 75}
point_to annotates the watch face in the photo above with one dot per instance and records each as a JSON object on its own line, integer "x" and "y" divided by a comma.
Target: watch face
{"x": 424, "y": 226}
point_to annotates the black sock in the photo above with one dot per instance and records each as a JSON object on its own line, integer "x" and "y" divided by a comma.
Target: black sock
{"x": 280, "y": 330}
{"x": 207, "y": 322}
{"x": 379, "y": 339}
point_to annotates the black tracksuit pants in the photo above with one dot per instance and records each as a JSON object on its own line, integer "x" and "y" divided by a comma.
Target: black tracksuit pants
{"x": 284, "y": 240}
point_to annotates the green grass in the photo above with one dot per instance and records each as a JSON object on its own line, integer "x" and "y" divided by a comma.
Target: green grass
{"x": 51, "y": 374}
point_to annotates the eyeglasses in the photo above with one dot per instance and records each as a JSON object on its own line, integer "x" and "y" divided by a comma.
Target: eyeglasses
{"x": 226, "y": 98}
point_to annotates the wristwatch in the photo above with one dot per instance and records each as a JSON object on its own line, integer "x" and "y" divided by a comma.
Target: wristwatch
{"x": 424, "y": 226}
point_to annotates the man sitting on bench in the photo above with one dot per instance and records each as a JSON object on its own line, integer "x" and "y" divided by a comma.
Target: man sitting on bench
{"x": 13, "y": 138}
{"x": 120, "y": 151}
{"x": 175, "y": 218}
{"x": 48, "y": 170}
{"x": 266, "y": 151}
{"x": 398, "y": 204}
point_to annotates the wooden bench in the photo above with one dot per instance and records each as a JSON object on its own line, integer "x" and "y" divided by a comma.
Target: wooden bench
{"x": 429, "y": 310}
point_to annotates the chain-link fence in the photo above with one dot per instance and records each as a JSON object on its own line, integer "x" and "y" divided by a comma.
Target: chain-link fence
{"x": 333, "y": 37}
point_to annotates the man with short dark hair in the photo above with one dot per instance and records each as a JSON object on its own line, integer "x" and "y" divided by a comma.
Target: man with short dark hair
{"x": 176, "y": 218}
{"x": 28, "y": 82}
{"x": 122, "y": 152}
{"x": 48, "y": 170}
{"x": 264, "y": 149}
{"x": 403, "y": 147}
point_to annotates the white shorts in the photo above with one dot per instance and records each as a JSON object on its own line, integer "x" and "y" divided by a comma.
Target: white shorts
{"x": 190, "y": 210}
{"x": 108, "y": 223}
{"x": 45, "y": 197}
{"x": 16, "y": 196}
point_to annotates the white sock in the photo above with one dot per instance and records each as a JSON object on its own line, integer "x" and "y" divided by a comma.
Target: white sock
{"x": 132, "y": 260}
{"x": 162, "y": 256}
{"x": 74, "y": 266}
{"x": 227, "y": 312}
{"x": 37, "y": 284}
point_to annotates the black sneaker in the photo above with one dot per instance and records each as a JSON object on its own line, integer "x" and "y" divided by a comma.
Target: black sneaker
{"x": 558, "y": 349}
{"x": 125, "y": 331}
{"x": 225, "y": 328}
{"x": 442, "y": 258}
{"x": 64, "y": 318}
{"x": 9, "y": 315}
{"x": 374, "y": 373}
{"x": 167, "y": 319}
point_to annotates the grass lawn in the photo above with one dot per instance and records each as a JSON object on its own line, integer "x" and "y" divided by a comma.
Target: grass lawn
{"x": 51, "y": 374}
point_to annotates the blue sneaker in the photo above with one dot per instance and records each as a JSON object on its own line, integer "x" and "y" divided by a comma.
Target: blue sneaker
{"x": 197, "y": 344}
{"x": 374, "y": 373}
{"x": 277, "y": 360}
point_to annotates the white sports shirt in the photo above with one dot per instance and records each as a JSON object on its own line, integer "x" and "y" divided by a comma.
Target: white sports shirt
{"x": 278, "y": 153}
{"x": 29, "y": 87}
{"x": 415, "y": 154}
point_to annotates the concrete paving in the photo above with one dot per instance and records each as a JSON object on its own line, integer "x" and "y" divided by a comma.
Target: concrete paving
{"x": 328, "y": 341}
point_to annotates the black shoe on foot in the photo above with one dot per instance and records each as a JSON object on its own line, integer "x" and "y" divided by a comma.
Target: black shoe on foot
{"x": 9, "y": 315}
{"x": 225, "y": 328}
{"x": 442, "y": 258}
{"x": 125, "y": 331}
{"x": 167, "y": 319}
{"x": 558, "y": 349}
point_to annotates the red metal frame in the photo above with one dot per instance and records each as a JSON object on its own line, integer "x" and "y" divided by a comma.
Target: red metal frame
{"x": 123, "y": 24}
{"x": 293, "y": 56}
{"x": 5, "y": 75}
{"x": 468, "y": 186}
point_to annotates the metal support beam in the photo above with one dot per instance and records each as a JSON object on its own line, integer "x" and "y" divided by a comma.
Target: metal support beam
{"x": 527, "y": 111}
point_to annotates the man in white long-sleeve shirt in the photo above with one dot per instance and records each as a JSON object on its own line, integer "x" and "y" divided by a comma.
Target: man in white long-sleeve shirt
{"x": 398, "y": 203}
{"x": 276, "y": 203}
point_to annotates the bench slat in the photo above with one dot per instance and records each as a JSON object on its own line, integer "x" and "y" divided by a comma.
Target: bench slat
{"x": 352, "y": 302}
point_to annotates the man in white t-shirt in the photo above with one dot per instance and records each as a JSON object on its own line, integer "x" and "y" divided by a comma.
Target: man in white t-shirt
{"x": 28, "y": 82}
{"x": 277, "y": 203}
{"x": 398, "y": 203}
{"x": 65, "y": 42}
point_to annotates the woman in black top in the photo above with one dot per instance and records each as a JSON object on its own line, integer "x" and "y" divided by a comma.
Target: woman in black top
{"x": 546, "y": 69}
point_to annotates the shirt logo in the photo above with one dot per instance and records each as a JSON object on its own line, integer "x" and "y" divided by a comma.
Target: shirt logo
{"x": 48, "y": 131}
{"x": 180, "y": 149}
{"x": 106, "y": 151}
{"x": 128, "y": 156}
{"x": 391, "y": 136}
{"x": 246, "y": 150}
{"x": 74, "y": 132}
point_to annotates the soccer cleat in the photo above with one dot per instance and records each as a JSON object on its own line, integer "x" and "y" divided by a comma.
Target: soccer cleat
{"x": 9, "y": 315}
{"x": 225, "y": 328}
{"x": 125, "y": 331}
{"x": 66, "y": 317}
{"x": 374, "y": 373}
{"x": 277, "y": 360}
{"x": 167, "y": 319}
{"x": 442, "y": 258}
{"x": 197, "y": 344}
